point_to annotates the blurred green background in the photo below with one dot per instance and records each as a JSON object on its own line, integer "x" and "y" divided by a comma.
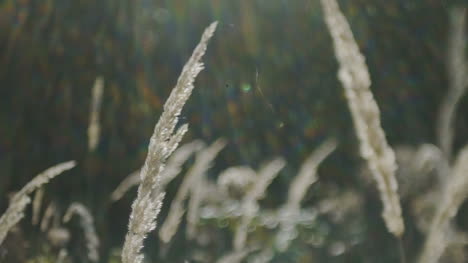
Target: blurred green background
{"x": 269, "y": 88}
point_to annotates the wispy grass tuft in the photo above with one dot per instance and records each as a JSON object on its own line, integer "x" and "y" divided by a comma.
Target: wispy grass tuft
{"x": 455, "y": 189}
{"x": 204, "y": 161}
{"x": 163, "y": 142}
{"x": 458, "y": 78}
{"x": 49, "y": 213}
{"x": 87, "y": 224}
{"x": 190, "y": 185}
{"x": 297, "y": 190}
{"x": 20, "y": 200}
{"x": 453, "y": 195}
{"x": 354, "y": 76}
{"x": 172, "y": 169}
{"x": 250, "y": 201}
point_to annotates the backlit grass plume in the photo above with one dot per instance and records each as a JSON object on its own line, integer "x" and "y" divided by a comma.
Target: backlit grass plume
{"x": 20, "y": 200}
{"x": 354, "y": 76}
{"x": 163, "y": 142}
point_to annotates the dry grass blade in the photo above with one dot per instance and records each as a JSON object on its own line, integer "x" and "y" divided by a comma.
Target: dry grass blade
{"x": 49, "y": 213}
{"x": 37, "y": 202}
{"x": 455, "y": 192}
{"x": 163, "y": 142}
{"x": 94, "y": 127}
{"x": 458, "y": 72}
{"x": 20, "y": 200}
{"x": 130, "y": 181}
{"x": 308, "y": 173}
{"x": 354, "y": 77}
{"x": 87, "y": 224}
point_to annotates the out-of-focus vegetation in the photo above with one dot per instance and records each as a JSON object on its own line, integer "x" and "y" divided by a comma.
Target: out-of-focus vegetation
{"x": 269, "y": 88}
